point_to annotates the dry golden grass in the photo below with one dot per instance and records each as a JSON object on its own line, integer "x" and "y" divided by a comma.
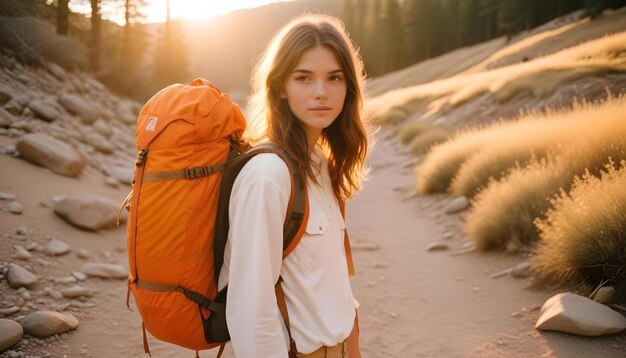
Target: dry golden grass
{"x": 606, "y": 54}
{"x": 504, "y": 211}
{"x": 443, "y": 162}
{"x": 584, "y": 234}
{"x": 391, "y": 117}
{"x": 425, "y": 140}
{"x": 410, "y": 130}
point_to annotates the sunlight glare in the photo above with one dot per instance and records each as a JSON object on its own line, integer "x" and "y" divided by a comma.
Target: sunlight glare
{"x": 199, "y": 9}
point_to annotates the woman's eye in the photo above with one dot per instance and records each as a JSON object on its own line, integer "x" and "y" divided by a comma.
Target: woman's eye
{"x": 302, "y": 78}
{"x": 335, "y": 78}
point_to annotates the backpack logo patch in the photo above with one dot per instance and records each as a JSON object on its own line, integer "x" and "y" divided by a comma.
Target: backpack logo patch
{"x": 152, "y": 124}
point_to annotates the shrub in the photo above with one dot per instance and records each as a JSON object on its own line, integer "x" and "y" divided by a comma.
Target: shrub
{"x": 425, "y": 140}
{"x": 584, "y": 234}
{"x": 411, "y": 130}
{"x": 505, "y": 211}
{"x": 441, "y": 165}
{"x": 391, "y": 117}
{"x": 530, "y": 138}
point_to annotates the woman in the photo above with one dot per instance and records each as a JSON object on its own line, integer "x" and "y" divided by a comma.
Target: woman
{"x": 307, "y": 99}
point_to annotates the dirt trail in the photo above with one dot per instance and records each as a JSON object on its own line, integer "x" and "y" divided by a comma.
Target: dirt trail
{"x": 414, "y": 303}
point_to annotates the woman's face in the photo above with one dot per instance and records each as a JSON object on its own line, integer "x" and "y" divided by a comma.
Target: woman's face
{"x": 316, "y": 90}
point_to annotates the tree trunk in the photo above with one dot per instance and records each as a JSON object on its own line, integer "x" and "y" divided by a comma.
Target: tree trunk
{"x": 63, "y": 13}
{"x": 96, "y": 36}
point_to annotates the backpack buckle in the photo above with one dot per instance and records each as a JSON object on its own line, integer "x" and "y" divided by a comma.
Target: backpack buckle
{"x": 197, "y": 172}
{"x": 141, "y": 157}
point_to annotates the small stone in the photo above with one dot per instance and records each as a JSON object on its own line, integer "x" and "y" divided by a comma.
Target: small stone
{"x": 476, "y": 289}
{"x": 22, "y": 231}
{"x": 21, "y": 253}
{"x": 9, "y": 311}
{"x": 365, "y": 246}
{"x": 43, "y": 110}
{"x": 47, "y": 323}
{"x": 521, "y": 270}
{"x": 448, "y": 235}
{"x": 26, "y": 295}
{"x": 56, "y": 248}
{"x": 32, "y": 246}
{"x": 20, "y": 277}
{"x": 457, "y": 204}
{"x": 79, "y": 275}
{"x": 103, "y": 128}
{"x": 123, "y": 175}
{"x": 66, "y": 279}
{"x": 57, "y": 295}
{"x": 10, "y": 333}
{"x": 605, "y": 294}
{"x": 112, "y": 182}
{"x": 103, "y": 270}
{"x": 501, "y": 273}
{"x": 14, "y": 208}
{"x": 75, "y": 291}
{"x": 6, "y": 196}
{"x": 437, "y": 246}
{"x": 82, "y": 254}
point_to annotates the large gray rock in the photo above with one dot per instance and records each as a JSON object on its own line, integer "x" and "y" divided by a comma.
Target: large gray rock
{"x": 10, "y": 333}
{"x": 43, "y": 110}
{"x": 49, "y": 152}
{"x": 20, "y": 277}
{"x": 457, "y": 204}
{"x": 571, "y": 313}
{"x": 57, "y": 71}
{"x": 77, "y": 105}
{"x": 103, "y": 270}
{"x": 48, "y": 323}
{"x": 87, "y": 211}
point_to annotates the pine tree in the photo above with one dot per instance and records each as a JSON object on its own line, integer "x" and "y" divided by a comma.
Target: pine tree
{"x": 419, "y": 29}
{"x": 392, "y": 36}
{"x": 171, "y": 63}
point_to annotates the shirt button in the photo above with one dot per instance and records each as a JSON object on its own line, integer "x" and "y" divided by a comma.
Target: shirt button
{"x": 320, "y": 228}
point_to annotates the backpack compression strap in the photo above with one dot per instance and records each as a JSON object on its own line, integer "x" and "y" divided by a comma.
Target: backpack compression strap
{"x": 297, "y": 209}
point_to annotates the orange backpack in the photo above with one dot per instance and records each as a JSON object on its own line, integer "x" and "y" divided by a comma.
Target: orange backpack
{"x": 188, "y": 159}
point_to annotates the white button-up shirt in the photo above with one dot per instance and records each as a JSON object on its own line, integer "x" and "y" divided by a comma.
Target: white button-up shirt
{"x": 315, "y": 275}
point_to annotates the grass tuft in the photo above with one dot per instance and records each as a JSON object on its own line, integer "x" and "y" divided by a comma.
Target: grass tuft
{"x": 409, "y": 131}
{"x": 422, "y": 143}
{"x": 584, "y": 234}
{"x": 504, "y": 211}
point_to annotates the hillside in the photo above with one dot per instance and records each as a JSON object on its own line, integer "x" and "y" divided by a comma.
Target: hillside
{"x": 547, "y": 67}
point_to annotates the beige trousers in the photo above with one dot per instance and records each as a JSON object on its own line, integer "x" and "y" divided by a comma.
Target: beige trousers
{"x": 338, "y": 351}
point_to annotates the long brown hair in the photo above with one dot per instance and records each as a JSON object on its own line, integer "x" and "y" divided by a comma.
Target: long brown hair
{"x": 345, "y": 142}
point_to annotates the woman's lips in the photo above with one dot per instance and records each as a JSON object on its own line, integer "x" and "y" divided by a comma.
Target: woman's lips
{"x": 320, "y": 109}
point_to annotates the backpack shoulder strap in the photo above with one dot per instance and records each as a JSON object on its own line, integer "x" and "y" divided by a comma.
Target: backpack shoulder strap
{"x": 297, "y": 208}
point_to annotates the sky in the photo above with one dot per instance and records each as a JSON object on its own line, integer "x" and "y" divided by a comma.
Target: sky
{"x": 180, "y": 9}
